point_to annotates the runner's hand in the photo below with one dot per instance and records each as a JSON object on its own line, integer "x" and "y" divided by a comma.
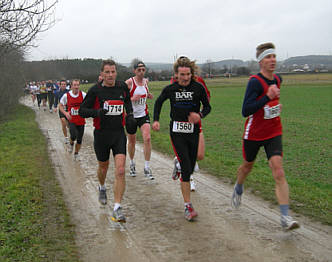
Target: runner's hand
{"x": 156, "y": 126}
{"x": 194, "y": 117}
{"x": 68, "y": 116}
{"x": 273, "y": 92}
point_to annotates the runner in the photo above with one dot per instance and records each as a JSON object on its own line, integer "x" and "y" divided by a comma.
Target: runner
{"x": 201, "y": 144}
{"x": 139, "y": 92}
{"x": 38, "y": 95}
{"x": 50, "y": 94}
{"x": 63, "y": 119}
{"x": 43, "y": 94}
{"x": 186, "y": 96}
{"x": 33, "y": 91}
{"x": 105, "y": 102}
{"x": 263, "y": 128}
{"x": 72, "y": 101}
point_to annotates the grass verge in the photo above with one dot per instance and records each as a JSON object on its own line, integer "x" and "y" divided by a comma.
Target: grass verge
{"x": 34, "y": 222}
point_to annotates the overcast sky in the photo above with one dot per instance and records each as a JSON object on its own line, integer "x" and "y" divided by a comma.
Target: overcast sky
{"x": 156, "y": 30}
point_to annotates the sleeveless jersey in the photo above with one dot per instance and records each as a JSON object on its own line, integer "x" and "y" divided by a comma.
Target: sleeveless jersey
{"x": 265, "y": 123}
{"x": 73, "y": 105}
{"x": 140, "y": 107}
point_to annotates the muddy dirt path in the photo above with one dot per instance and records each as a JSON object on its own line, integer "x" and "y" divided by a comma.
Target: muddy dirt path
{"x": 156, "y": 229}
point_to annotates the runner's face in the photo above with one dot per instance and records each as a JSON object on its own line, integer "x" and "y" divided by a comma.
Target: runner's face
{"x": 109, "y": 75}
{"x": 75, "y": 86}
{"x": 139, "y": 72}
{"x": 63, "y": 85}
{"x": 269, "y": 63}
{"x": 183, "y": 76}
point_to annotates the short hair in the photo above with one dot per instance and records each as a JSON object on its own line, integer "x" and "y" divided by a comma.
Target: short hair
{"x": 63, "y": 80}
{"x": 184, "y": 61}
{"x": 262, "y": 47}
{"x": 109, "y": 62}
{"x": 76, "y": 80}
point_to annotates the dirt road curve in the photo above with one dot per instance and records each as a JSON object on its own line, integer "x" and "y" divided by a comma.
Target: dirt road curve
{"x": 156, "y": 229}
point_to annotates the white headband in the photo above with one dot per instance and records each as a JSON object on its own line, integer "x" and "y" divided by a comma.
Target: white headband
{"x": 265, "y": 53}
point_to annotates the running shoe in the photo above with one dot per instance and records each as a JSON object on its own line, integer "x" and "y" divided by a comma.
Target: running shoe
{"x": 176, "y": 171}
{"x": 288, "y": 223}
{"x": 71, "y": 147}
{"x": 148, "y": 173}
{"x": 51, "y": 111}
{"x": 102, "y": 196}
{"x": 132, "y": 172}
{"x": 189, "y": 212}
{"x": 76, "y": 157}
{"x": 196, "y": 168}
{"x": 192, "y": 184}
{"x": 236, "y": 199}
{"x": 118, "y": 216}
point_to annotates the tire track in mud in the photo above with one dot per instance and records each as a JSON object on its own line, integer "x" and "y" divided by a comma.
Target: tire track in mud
{"x": 156, "y": 229}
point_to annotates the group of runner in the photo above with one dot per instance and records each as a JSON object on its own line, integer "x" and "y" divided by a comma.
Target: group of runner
{"x": 118, "y": 105}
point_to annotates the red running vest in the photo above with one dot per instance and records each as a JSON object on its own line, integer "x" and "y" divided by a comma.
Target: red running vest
{"x": 256, "y": 127}
{"x": 73, "y": 105}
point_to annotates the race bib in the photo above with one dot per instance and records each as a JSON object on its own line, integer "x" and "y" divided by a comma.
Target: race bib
{"x": 271, "y": 111}
{"x": 114, "y": 109}
{"x": 141, "y": 101}
{"x": 183, "y": 127}
{"x": 74, "y": 111}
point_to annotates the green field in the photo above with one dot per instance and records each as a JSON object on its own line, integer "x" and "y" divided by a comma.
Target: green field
{"x": 34, "y": 221}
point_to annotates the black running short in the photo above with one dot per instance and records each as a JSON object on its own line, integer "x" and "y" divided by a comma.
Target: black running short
{"x": 141, "y": 121}
{"x": 106, "y": 140}
{"x": 61, "y": 115}
{"x": 272, "y": 146}
{"x": 76, "y": 132}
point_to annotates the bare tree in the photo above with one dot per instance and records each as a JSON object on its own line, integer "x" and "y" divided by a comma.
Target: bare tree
{"x": 22, "y": 20}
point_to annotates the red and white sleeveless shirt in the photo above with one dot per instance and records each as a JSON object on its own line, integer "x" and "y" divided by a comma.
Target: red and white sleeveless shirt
{"x": 265, "y": 123}
{"x": 73, "y": 105}
{"x": 140, "y": 107}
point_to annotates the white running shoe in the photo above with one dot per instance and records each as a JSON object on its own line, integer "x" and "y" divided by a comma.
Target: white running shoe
{"x": 70, "y": 149}
{"x": 148, "y": 173}
{"x": 192, "y": 184}
{"x": 76, "y": 157}
{"x": 132, "y": 170}
{"x": 176, "y": 171}
{"x": 288, "y": 223}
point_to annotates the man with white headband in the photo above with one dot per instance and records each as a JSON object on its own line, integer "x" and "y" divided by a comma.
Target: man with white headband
{"x": 263, "y": 128}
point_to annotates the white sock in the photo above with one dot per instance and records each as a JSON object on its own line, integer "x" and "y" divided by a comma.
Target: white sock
{"x": 186, "y": 204}
{"x": 132, "y": 162}
{"x": 147, "y": 164}
{"x": 116, "y": 206}
{"x": 102, "y": 187}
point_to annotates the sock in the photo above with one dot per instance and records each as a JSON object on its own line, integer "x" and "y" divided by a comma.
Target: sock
{"x": 239, "y": 188}
{"x": 178, "y": 166}
{"x": 102, "y": 187}
{"x": 147, "y": 164}
{"x": 284, "y": 210}
{"x": 116, "y": 206}
{"x": 187, "y": 204}
{"x": 132, "y": 162}
{"x": 76, "y": 153}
